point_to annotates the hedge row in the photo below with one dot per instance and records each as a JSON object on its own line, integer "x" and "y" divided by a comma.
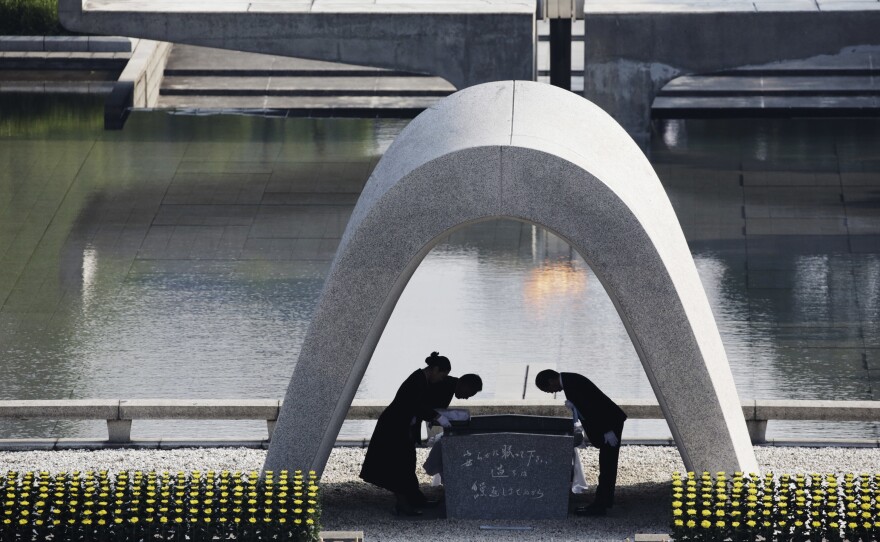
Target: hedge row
{"x": 30, "y": 18}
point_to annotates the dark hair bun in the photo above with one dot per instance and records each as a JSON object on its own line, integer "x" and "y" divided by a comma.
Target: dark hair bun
{"x": 441, "y": 362}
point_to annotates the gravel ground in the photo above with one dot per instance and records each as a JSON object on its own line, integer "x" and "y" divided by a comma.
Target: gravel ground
{"x": 350, "y": 504}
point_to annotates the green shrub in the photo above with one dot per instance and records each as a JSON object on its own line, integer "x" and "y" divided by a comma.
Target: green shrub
{"x": 30, "y": 18}
{"x": 51, "y": 116}
{"x": 786, "y": 508}
{"x": 195, "y": 506}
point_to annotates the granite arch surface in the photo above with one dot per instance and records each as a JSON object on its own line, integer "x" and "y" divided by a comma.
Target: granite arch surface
{"x": 534, "y": 153}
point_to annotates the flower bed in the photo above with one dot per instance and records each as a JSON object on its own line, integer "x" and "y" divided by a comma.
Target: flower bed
{"x": 193, "y": 506}
{"x": 797, "y": 507}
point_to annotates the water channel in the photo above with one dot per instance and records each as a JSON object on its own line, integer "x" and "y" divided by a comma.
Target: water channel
{"x": 182, "y": 256}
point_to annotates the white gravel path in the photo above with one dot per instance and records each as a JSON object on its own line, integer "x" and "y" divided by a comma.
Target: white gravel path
{"x": 350, "y": 504}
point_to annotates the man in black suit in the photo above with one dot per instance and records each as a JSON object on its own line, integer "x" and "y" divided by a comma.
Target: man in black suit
{"x": 602, "y": 420}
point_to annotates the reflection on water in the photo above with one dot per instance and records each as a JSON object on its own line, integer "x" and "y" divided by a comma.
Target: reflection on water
{"x": 183, "y": 256}
{"x": 552, "y": 283}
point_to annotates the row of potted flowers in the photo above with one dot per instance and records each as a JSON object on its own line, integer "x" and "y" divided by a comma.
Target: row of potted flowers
{"x": 99, "y": 505}
{"x": 788, "y": 507}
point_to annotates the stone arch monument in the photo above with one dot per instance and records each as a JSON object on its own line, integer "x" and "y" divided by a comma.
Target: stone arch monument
{"x": 534, "y": 153}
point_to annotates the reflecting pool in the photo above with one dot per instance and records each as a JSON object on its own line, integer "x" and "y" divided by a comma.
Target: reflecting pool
{"x": 182, "y": 257}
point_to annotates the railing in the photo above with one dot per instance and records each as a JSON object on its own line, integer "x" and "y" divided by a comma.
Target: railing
{"x": 119, "y": 413}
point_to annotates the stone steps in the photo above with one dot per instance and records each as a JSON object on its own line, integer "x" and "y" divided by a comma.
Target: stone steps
{"x": 62, "y": 61}
{"x": 203, "y": 79}
{"x": 209, "y": 79}
{"x": 62, "y": 64}
{"x": 329, "y": 85}
{"x": 848, "y": 85}
{"x": 745, "y": 85}
{"x": 304, "y": 106}
{"x": 766, "y": 106}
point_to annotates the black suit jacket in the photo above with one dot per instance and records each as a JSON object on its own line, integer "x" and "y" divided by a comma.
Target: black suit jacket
{"x": 598, "y": 413}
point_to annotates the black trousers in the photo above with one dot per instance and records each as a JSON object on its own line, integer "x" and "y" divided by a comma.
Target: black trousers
{"x": 608, "y": 456}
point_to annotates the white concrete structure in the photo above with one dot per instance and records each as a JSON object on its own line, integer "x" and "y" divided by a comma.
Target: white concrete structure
{"x": 464, "y": 41}
{"x": 633, "y": 48}
{"x": 538, "y": 154}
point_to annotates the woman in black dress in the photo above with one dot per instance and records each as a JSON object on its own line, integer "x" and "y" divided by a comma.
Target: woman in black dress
{"x": 391, "y": 457}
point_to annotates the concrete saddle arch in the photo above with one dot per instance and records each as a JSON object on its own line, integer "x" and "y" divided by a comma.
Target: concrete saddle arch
{"x": 535, "y": 153}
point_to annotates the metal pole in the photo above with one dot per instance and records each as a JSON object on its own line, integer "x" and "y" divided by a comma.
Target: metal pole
{"x": 560, "y": 53}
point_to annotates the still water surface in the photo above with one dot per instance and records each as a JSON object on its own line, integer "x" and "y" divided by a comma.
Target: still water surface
{"x": 182, "y": 257}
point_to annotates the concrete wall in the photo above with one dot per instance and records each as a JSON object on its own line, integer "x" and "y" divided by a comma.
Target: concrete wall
{"x": 139, "y": 83}
{"x": 464, "y": 42}
{"x": 145, "y": 71}
{"x": 91, "y": 44}
{"x": 628, "y": 57}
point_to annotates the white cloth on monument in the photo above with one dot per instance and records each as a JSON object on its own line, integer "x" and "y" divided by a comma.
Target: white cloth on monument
{"x": 578, "y": 481}
{"x": 455, "y": 414}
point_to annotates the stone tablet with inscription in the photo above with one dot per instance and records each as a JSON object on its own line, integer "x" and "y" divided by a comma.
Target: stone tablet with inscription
{"x": 507, "y": 475}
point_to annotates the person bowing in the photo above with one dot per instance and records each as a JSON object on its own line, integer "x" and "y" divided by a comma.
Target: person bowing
{"x": 391, "y": 456}
{"x": 602, "y": 420}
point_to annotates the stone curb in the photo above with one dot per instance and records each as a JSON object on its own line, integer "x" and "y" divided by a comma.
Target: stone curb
{"x": 69, "y": 44}
{"x": 341, "y": 536}
{"x": 55, "y": 444}
{"x": 56, "y": 87}
{"x": 119, "y": 413}
{"x": 50, "y": 444}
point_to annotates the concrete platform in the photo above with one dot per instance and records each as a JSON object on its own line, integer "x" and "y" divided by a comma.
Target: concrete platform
{"x": 636, "y": 47}
{"x": 306, "y": 106}
{"x": 843, "y": 85}
{"x": 303, "y": 86}
{"x": 206, "y": 79}
{"x": 458, "y": 40}
{"x": 765, "y": 106}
